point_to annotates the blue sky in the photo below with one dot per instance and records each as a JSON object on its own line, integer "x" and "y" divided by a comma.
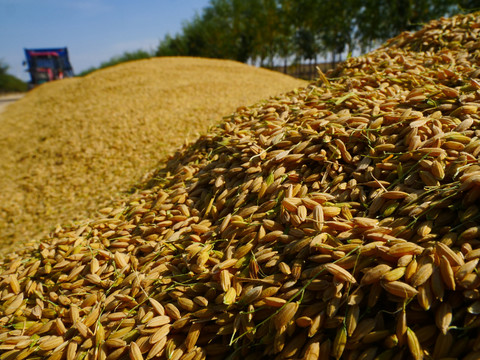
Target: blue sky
{"x": 93, "y": 30}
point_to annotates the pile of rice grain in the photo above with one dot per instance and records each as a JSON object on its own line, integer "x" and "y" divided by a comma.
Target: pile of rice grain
{"x": 340, "y": 221}
{"x": 70, "y": 145}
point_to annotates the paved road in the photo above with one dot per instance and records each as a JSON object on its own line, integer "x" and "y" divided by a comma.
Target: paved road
{"x": 5, "y": 100}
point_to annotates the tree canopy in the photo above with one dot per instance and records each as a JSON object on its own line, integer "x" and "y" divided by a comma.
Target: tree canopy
{"x": 8, "y": 82}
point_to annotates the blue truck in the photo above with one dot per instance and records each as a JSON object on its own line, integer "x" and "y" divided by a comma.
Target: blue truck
{"x": 47, "y": 65}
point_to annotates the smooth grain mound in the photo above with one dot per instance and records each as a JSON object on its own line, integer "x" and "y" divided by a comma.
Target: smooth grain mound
{"x": 73, "y": 144}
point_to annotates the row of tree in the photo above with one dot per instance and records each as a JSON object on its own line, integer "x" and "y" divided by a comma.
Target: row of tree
{"x": 126, "y": 56}
{"x": 272, "y": 32}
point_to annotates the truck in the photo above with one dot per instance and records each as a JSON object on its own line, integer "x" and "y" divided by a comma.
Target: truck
{"x": 47, "y": 65}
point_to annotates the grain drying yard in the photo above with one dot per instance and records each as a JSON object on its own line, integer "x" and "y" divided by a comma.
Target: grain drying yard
{"x": 337, "y": 221}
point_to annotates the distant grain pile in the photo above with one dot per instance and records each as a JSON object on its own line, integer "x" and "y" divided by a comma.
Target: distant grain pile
{"x": 70, "y": 145}
{"x": 340, "y": 221}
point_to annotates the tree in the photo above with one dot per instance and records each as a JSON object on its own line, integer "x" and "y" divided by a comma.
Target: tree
{"x": 469, "y": 5}
{"x": 337, "y": 26}
{"x": 3, "y": 67}
{"x": 126, "y": 56}
{"x": 171, "y": 46}
{"x": 10, "y": 83}
{"x": 380, "y": 20}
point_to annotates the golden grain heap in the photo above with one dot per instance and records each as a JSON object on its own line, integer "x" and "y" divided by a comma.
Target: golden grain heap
{"x": 70, "y": 145}
{"x": 340, "y": 221}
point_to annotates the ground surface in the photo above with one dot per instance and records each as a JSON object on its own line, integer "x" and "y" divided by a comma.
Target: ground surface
{"x": 6, "y": 100}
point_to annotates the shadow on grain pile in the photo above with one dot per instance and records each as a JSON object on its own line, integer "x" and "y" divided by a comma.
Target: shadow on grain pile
{"x": 71, "y": 145}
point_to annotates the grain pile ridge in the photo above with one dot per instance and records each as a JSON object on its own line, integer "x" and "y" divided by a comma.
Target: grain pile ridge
{"x": 70, "y": 145}
{"x": 339, "y": 221}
